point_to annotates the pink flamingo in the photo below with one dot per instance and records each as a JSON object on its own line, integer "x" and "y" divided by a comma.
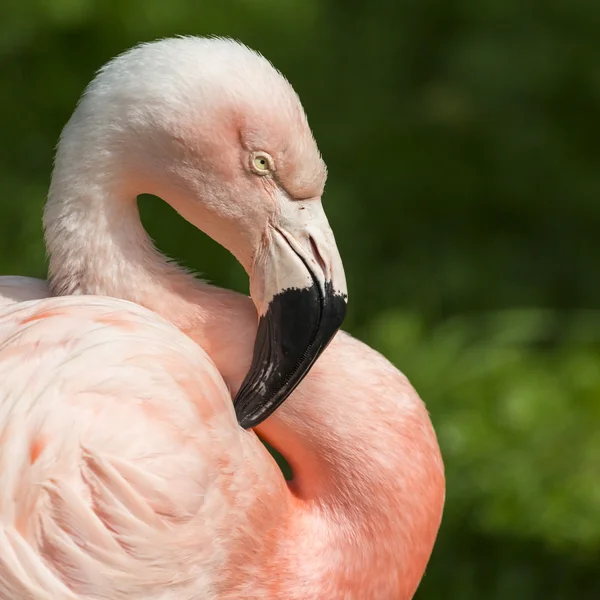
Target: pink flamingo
{"x": 123, "y": 470}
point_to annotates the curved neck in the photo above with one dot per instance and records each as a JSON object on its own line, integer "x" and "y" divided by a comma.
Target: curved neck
{"x": 368, "y": 478}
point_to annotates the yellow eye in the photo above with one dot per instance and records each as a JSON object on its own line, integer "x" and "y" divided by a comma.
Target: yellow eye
{"x": 261, "y": 163}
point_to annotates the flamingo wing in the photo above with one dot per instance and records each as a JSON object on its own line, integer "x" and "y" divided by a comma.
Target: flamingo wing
{"x": 120, "y": 456}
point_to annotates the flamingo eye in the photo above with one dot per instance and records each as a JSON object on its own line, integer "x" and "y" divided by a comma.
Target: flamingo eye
{"x": 261, "y": 163}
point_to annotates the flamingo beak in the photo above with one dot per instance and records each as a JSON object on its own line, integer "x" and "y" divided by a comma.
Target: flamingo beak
{"x": 299, "y": 288}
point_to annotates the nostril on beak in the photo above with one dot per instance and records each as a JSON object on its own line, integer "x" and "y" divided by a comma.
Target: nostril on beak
{"x": 318, "y": 256}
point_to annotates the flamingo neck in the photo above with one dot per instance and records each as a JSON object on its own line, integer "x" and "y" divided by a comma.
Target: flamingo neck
{"x": 97, "y": 245}
{"x": 368, "y": 486}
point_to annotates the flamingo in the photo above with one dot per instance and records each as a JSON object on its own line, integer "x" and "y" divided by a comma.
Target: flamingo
{"x": 126, "y": 471}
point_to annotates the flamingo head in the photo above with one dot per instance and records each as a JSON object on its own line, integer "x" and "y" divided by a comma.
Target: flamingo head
{"x": 214, "y": 129}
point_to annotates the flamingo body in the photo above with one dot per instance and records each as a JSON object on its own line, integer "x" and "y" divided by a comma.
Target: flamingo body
{"x": 131, "y": 479}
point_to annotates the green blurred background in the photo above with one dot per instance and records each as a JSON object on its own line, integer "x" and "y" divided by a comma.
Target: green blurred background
{"x": 462, "y": 139}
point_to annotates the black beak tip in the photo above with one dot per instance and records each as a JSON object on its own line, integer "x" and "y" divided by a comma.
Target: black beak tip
{"x": 246, "y": 422}
{"x": 292, "y": 334}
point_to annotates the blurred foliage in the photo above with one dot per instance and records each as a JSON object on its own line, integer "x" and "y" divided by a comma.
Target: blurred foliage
{"x": 462, "y": 142}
